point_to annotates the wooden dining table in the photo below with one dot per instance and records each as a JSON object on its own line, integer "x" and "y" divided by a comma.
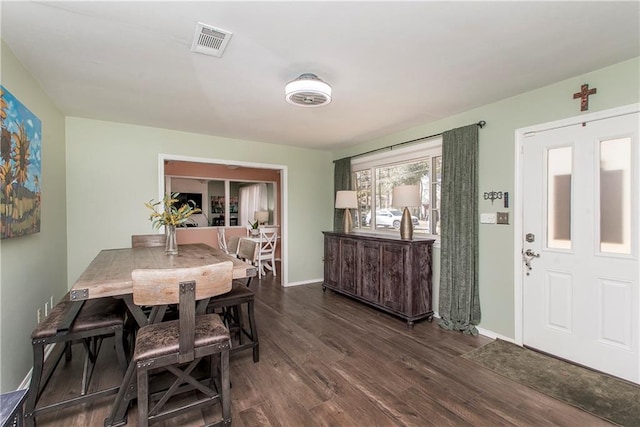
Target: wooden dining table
{"x": 109, "y": 275}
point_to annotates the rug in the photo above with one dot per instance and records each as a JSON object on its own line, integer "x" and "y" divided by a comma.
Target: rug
{"x": 607, "y": 397}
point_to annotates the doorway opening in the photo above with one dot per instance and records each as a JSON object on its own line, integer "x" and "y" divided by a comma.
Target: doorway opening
{"x": 219, "y": 182}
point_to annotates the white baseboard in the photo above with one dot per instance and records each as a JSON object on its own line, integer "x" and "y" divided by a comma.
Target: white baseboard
{"x": 490, "y": 334}
{"x": 302, "y": 282}
{"x": 27, "y": 380}
{"x": 486, "y": 332}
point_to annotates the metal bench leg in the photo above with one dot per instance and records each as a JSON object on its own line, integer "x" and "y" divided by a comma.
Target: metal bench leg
{"x": 34, "y": 388}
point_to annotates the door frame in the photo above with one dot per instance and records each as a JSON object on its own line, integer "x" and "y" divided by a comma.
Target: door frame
{"x": 518, "y": 199}
{"x": 284, "y": 211}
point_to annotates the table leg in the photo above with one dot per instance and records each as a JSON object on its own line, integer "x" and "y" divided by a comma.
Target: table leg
{"x": 135, "y": 311}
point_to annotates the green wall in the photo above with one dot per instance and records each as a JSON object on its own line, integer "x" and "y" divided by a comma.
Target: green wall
{"x": 617, "y": 85}
{"x": 34, "y": 267}
{"x": 112, "y": 169}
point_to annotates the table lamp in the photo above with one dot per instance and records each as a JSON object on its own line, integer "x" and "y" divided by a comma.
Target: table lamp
{"x": 346, "y": 200}
{"x": 261, "y": 216}
{"x": 405, "y": 196}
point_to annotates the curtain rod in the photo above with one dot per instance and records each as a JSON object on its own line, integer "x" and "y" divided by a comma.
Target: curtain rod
{"x": 480, "y": 124}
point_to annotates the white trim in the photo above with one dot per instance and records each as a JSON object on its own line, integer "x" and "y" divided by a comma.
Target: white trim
{"x": 283, "y": 194}
{"x": 399, "y": 155}
{"x": 304, "y": 282}
{"x": 518, "y": 202}
{"x": 493, "y": 335}
{"x": 484, "y": 332}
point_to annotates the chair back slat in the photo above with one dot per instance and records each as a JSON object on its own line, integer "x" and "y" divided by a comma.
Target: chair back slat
{"x": 148, "y": 240}
{"x": 268, "y": 240}
{"x": 161, "y": 286}
{"x": 187, "y": 307}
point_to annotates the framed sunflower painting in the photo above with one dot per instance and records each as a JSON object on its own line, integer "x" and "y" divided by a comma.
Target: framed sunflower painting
{"x": 20, "y": 168}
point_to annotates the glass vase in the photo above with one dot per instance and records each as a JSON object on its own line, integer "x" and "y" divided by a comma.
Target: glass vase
{"x": 171, "y": 245}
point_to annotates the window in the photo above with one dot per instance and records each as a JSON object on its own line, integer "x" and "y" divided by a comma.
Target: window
{"x": 375, "y": 176}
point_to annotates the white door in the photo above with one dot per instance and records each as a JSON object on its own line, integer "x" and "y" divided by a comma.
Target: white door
{"x": 580, "y": 224}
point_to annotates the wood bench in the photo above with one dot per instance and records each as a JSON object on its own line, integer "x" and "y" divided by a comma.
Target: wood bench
{"x": 69, "y": 322}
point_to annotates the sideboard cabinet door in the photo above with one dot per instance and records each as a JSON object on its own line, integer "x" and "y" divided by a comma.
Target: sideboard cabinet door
{"x": 349, "y": 266}
{"x": 331, "y": 261}
{"x": 370, "y": 271}
{"x": 393, "y": 283}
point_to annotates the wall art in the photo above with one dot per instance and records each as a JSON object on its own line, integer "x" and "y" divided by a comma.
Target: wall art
{"x": 20, "y": 168}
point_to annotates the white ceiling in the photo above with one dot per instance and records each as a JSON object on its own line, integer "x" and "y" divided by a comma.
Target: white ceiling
{"x": 392, "y": 65}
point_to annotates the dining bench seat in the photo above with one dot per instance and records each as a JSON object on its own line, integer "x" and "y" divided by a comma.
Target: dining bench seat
{"x": 71, "y": 322}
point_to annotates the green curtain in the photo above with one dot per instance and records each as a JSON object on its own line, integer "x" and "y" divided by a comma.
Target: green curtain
{"x": 341, "y": 181}
{"x": 459, "y": 307}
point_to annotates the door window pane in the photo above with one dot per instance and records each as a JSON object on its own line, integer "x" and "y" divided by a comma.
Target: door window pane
{"x": 559, "y": 171}
{"x": 615, "y": 196}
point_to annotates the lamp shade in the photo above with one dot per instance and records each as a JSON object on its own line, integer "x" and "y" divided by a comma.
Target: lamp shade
{"x": 261, "y": 216}
{"x": 346, "y": 199}
{"x": 406, "y": 195}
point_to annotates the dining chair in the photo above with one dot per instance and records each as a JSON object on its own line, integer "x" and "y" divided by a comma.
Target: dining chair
{"x": 222, "y": 241}
{"x": 230, "y": 306}
{"x": 232, "y": 245}
{"x": 95, "y": 320}
{"x": 266, "y": 252}
{"x": 177, "y": 346}
{"x": 148, "y": 240}
{"x": 247, "y": 251}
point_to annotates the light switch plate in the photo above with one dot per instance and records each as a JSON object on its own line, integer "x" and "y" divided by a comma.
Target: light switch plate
{"x": 487, "y": 218}
{"x": 503, "y": 217}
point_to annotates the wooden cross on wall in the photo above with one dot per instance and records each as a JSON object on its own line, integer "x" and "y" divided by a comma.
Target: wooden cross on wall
{"x": 584, "y": 96}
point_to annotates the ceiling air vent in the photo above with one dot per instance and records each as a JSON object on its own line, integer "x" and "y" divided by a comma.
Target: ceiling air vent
{"x": 210, "y": 40}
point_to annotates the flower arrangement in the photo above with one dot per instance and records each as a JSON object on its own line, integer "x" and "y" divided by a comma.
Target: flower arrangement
{"x": 170, "y": 213}
{"x": 254, "y": 228}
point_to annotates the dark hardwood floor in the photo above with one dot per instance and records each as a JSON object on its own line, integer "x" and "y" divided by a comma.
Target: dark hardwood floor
{"x": 326, "y": 360}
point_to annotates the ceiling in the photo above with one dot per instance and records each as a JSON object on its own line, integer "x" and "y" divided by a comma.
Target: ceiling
{"x": 392, "y": 65}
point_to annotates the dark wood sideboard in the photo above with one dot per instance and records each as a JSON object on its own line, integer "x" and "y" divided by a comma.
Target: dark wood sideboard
{"x": 385, "y": 272}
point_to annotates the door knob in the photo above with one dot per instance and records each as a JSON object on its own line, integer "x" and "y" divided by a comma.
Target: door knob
{"x": 531, "y": 254}
{"x": 527, "y": 256}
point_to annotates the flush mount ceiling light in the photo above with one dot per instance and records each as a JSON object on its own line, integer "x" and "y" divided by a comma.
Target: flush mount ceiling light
{"x": 308, "y": 91}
